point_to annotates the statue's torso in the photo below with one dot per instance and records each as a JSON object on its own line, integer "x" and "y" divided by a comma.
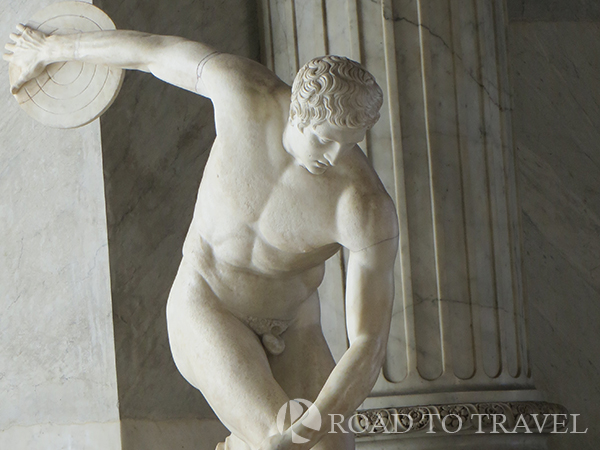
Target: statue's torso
{"x": 262, "y": 229}
{"x": 263, "y": 226}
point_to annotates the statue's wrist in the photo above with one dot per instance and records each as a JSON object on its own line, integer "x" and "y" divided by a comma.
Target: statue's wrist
{"x": 59, "y": 48}
{"x": 313, "y": 436}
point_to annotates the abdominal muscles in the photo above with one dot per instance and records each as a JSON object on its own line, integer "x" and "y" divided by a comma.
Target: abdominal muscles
{"x": 256, "y": 279}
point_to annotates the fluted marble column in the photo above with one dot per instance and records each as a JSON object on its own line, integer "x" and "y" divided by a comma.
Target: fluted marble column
{"x": 443, "y": 149}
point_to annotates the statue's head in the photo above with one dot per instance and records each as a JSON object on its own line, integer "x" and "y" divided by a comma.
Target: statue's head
{"x": 337, "y": 90}
{"x": 334, "y": 102}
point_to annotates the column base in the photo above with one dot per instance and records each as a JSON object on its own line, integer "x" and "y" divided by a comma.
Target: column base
{"x": 451, "y": 397}
{"x": 449, "y": 442}
{"x": 492, "y": 425}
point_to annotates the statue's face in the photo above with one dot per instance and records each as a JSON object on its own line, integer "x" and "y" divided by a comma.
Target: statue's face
{"x": 317, "y": 148}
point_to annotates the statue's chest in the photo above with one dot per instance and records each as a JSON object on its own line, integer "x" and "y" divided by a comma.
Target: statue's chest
{"x": 285, "y": 207}
{"x": 299, "y": 214}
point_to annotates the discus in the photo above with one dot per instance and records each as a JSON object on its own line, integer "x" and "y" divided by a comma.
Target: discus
{"x": 69, "y": 94}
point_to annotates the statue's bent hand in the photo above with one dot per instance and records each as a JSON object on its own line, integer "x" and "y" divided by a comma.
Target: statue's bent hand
{"x": 28, "y": 53}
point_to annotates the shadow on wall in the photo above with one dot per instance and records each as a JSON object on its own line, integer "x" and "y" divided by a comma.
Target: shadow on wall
{"x": 156, "y": 140}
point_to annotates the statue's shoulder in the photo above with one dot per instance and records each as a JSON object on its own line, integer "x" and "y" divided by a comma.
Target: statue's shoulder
{"x": 366, "y": 213}
{"x": 244, "y": 90}
{"x": 228, "y": 75}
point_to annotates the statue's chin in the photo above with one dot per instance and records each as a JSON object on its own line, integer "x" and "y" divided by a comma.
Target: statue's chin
{"x": 314, "y": 170}
{"x": 317, "y": 171}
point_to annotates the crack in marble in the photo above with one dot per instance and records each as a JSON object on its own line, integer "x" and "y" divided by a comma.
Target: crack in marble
{"x": 14, "y": 301}
{"x": 94, "y": 261}
{"x": 421, "y": 300}
{"x": 20, "y": 254}
{"x": 443, "y": 41}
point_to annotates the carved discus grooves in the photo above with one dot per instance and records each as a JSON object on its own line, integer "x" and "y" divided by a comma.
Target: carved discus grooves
{"x": 429, "y": 418}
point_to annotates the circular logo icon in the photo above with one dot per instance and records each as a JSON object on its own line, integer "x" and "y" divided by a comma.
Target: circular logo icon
{"x": 294, "y": 410}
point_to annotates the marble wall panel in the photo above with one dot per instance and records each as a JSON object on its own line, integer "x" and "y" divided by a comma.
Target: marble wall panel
{"x": 50, "y": 436}
{"x": 553, "y": 10}
{"x": 184, "y": 434}
{"x": 58, "y": 383}
{"x": 556, "y": 122}
{"x": 156, "y": 139}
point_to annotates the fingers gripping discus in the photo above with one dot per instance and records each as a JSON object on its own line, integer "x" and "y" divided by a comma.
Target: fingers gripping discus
{"x": 69, "y": 94}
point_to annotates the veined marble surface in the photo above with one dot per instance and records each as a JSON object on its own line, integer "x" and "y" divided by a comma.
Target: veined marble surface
{"x": 182, "y": 434}
{"x": 557, "y": 134}
{"x": 80, "y": 436}
{"x": 553, "y": 10}
{"x": 57, "y": 360}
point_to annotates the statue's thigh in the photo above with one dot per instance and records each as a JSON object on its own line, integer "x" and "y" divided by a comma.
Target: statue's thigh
{"x": 306, "y": 362}
{"x": 304, "y": 366}
{"x": 223, "y": 358}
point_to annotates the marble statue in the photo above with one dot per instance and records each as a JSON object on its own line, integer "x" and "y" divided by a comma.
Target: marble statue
{"x": 285, "y": 187}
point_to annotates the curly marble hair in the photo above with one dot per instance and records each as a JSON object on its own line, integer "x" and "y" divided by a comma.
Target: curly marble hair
{"x": 337, "y": 90}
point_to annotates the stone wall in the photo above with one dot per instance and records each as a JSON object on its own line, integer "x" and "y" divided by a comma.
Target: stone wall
{"x": 58, "y": 386}
{"x": 554, "y": 53}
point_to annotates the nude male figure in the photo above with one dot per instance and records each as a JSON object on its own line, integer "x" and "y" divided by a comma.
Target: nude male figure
{"x": 285, "y": 187}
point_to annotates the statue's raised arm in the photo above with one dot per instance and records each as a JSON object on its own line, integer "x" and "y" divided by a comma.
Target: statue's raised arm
{"x": 175, "y": 60}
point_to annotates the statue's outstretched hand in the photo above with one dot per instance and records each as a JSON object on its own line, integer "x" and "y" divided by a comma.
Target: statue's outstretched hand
{"x": 27, "y": 53}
